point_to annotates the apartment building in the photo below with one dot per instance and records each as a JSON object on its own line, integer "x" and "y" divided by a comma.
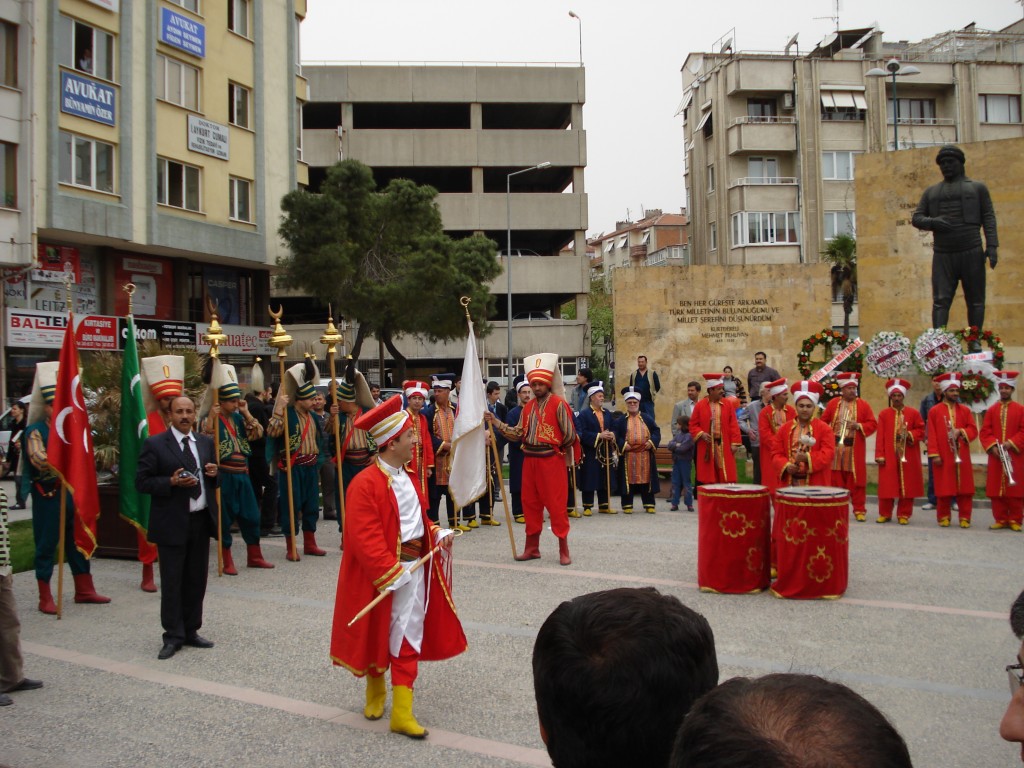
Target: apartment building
{"x": 658, "y": 239}
{"x": 157, "y": 158}
{"x": 465, "y": 130}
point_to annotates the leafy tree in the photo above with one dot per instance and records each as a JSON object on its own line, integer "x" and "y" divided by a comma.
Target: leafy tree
{"x": 383, "y": 259}
{"x": 841, "y": 253}
{"x": 602, "y": 327}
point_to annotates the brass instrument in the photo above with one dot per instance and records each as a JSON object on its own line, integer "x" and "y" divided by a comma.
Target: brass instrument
{"x": 710, "y": 449}
{"x": 841, "y": 437}
{"x": 953, "y": 435}
{"x": 1004, "y": 459}
{"x": 902, "y": 434}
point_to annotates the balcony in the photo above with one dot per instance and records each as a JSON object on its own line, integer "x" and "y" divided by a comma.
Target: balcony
{"x": 541, "y": 210}
{"x": 637, "y": 252}
{"x": 759, "y": 75}
{"x": 778, "y": 194}
{"x": 543, "y": 274}
{"x": 762, "y": 134}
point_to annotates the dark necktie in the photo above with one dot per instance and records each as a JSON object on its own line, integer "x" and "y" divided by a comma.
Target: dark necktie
{"x": 189, "y": 460}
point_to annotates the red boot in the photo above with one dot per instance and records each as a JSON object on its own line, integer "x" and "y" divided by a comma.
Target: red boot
{"x": 532, "y": 549}
{"x": 309, "y": 546}
{"x": 254, "y": 557}
{"x": 292, "y": 555}
{"x": 85, "y": 592}
{"x": 46, "y": 604}
{"x": 147, "y": 585}
{"x": 563, "y": 551}
{"x": 229, "y": 563}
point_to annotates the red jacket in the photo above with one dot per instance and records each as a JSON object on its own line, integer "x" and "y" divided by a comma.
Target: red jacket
{"x": 1004, "y": 425}
{"x": 866, "y": 428}
{"x": 898, "y": 479}
{"x": 819, "y": 468}
{"x": 718, "y": 466}
{"x": 951, "y": 479}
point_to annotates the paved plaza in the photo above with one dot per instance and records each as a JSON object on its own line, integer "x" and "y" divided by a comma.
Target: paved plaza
{"x": 922, "y": 633}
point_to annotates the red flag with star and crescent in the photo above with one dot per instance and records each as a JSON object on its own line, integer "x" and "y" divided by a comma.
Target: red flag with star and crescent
{"x": 69, "y": 450}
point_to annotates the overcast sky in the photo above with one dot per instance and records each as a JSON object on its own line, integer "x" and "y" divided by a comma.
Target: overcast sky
{"x": 632, "y": 52}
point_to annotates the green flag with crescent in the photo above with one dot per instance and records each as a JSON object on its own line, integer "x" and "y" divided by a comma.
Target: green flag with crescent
{"x": 134, "y": 430}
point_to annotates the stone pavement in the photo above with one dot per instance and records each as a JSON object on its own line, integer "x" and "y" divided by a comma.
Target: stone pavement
{"x": 922, "y": 633}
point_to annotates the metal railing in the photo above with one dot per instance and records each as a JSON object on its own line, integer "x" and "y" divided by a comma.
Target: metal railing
{"x": 752, "y": 181}
{"x": 763, "y": 120}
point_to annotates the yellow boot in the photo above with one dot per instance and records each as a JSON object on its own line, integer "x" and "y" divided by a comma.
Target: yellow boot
{"x": 376, "y": 695}
{"x": 402, "y": 719}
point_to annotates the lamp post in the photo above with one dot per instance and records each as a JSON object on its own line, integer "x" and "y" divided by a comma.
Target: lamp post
{"x": 508, "y": 253}
{"x": 894, "y": 70}
{"x": 575, "y": 15}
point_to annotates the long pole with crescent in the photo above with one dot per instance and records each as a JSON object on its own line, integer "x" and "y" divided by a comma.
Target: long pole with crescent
{"x": 214, "y": 336}
{"x": 63, "y": 487}
{"x": 280, "y": 340}
{"x": 331, "y": 338}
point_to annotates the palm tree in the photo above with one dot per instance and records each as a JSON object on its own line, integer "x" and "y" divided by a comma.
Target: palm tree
{"x": 841, "y": 253}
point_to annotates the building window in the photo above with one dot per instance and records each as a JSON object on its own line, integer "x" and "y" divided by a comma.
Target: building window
{"x": 238, "y": 17}
{"x": 994, "y": 108}
{"x": 843, "y": 105}
{"x": 762, "y": 110}
{"x": 764, "y": 170}
{"x": 711, "y": 179}
{"x": 9, "y": 174}
{"x": 918, "y": 111}
{"x": 85, "y": 48}
{"x": 8, "y": 54}
{"x": 765, "y": 228}
{"x": 298, "y": 46}
{"x": 86, "y": 163}
{"x": 837, "y": 166}
{"x": 177, "y": 82}
{"x": 177, "y": 184}
{"x": 188, "y": 5}
{"x": 298, "y": 129}
{"x": 238, "y": 105}
{"x": 239, "y": 197}
{"x": 840, "y": 223}
{"x": 712, "y": 236}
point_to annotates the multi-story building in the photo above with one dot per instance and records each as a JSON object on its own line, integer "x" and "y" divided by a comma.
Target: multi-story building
{"x": 771, "y": 139}
{"x": 658, "y": 239}
{"x": 464, "y": 130}
{"x": 158, "y": 156}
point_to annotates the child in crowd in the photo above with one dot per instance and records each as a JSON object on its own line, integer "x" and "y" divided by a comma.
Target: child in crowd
{"x": 681, "y": 446}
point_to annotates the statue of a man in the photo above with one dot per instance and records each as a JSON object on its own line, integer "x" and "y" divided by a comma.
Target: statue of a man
{"x": 955, "y": 211}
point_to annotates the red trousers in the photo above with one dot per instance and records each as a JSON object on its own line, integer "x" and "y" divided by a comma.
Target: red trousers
{"x": 944, "y": 507}
{"x": 1006, "y": 509}
{"x": 904, "y": 507}
{"x": 858, "y": 493}
{"x": 404, "y": 666}
{"x": 545, "y": 486}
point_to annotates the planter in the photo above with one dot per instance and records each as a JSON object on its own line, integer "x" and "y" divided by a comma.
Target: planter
{"x": 114, "y": 536}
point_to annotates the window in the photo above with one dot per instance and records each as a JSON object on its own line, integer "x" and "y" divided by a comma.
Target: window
{"x": 763, "y": 169}
{"x": 298, "y": 129}
{"x": 998, "y": 109}
{"x": 764, "y": 228}
{"x": 298, "y": 47}
{"x": 8, "y": 54}
{"x": 837, "y": 165}
{"x": 177, "y": 82}
{"x": 238, "y": 17}
{"x": 177, "y": 184}
{"x": 85, "y": 48}
{"x": 706, "y": 125}
{"x": 921, "y": 111}
{"x": 762, "y": 110}
{"x": 9, "y": 174}
{"x": 843, "y": 105}
{"x": 646, "y": 238}
{"x": 239, "y": 199}
{"x": 238, "y": 105}
{"x": 86, "y": 163}
{"x": 188, "y": 5}
{"x": 711, "y": 179}
{"x": 840, "y": 223}
{"x": 712, "y": 236}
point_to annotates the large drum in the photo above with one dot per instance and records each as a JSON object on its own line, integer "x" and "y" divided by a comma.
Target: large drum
{"x": 733, "y": 538}
{"x": 813, "y": 545}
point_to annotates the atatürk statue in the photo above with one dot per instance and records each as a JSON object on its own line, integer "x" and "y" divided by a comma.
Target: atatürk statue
{"x": 955, "y": 211}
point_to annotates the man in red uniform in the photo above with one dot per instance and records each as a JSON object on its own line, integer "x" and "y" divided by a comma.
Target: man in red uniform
{"x": 803, "y": 449}
{"x": 386, "y": 532}
{"x": 898, "y": 455}
{"x": 546, "y": 431}
{"x": 421, "y": 467}
{"x": 1004, "y": 426}
{"x": 951, "y": 429}
{"x": 716, "y": 434}
{"x": 769, "y": 422}
{"x": 852, "y": 421}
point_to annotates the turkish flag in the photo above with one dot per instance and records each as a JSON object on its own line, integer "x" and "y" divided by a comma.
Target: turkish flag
{"x": 69, "y": 450}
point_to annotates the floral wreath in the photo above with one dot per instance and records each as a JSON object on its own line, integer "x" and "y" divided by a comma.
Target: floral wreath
{"x": 975, "y": 388}
{"x": 938, "y": 351}
{"x": 832, "y": 342}
{"x": 889, "y": 355}
{"x": 995, "y": 344}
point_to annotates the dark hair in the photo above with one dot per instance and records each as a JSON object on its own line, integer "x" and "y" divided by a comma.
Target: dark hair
{"x": 727, "y": 368}
{"x": 1017, "y": 616}
{"x": 615, "y": 672}
{"x": 787, "y": 721}
{"x": 762, "y": 354}
{"x": 643, "y": 356}
{"x": 493, "y": 386}
{"x": 693, "y": 384}
{"x": 683, "y": 420}
{"x": 586, "y": 373}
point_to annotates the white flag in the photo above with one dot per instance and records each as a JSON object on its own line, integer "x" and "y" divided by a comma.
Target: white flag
{"x": 468, "y": 479}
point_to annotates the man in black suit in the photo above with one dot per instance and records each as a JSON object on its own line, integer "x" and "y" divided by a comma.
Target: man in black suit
{"x": 182, "y": 520}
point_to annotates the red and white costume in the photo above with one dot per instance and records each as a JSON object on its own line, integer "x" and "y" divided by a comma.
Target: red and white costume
{"x": 1004, "y": 424}
{"x": 715, "y": 461}
{"x": 899, "y": 481}
{"x": 769, "y": 422}
{"x": 849, "y": 465}
{"x": 948, "y": 423}
{"x": 423, "y": 446}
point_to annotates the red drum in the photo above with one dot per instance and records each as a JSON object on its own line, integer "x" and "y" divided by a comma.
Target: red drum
{"x": 733, "y": 538}
{"x": 813, "y": 545}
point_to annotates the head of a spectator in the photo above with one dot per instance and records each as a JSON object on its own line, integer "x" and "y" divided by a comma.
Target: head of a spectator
{"x": 615, "y": 672}
{"x": 693, "y": 390}
{"x": 1012, "y": 726}
{"x": 641, "y": 363}
{"x": 375, "y": 392}
{"x": 764, "y": 392}
{"x": 584, "y": 377}
{"x": 493, "y": 391}
{"x": 760, "y": 359}
{"x": 787, "y": 721}
{"x": 683, "y": 422}
{"x": 727, "y": 370}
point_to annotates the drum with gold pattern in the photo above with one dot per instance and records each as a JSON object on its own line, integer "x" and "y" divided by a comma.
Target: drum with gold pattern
{"x": 813, "y": 545}
{"x": 733, "y": 538}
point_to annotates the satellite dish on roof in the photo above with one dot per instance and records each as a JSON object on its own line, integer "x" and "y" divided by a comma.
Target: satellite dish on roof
{"x": 695, "y": 64}
{"x": 792, "y": 42}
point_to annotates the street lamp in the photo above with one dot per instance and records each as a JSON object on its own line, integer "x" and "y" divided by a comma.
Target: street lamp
{"x": 894, "y": 70}
{"x": 574, "y": 15}
{"x": 508, "y": 254}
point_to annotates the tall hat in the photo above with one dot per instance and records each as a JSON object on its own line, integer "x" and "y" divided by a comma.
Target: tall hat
{"x": 947, "y": 380}
{"x": 594, "y": 388}
{"x": 44, "y": 387}
{"x": 412, "y": 388}
{"x": 543, "y": 367}
{"x": 257, "y": 383}
{"x": 897, "y": 385}
{"x": 162, "y": 376}
{"x": 442, "y": 381}
{"x": 1006, "y": 377}
{"x": 777, "y": 387}
{"x": 846, "y": 378}
{"x": 713, "y": 380}
{"x": 354, "y": 389}
{"x": 386, "y": 421}
{"x": 225, "y": 379}
{"x": 631, "y": 393}
{"x": 300, "y": 380}
{"x": 811, "y": 390}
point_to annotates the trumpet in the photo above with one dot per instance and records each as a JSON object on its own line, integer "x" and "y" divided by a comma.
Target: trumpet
{"x": 953, "y": 435}
{"x": 842, "y": 431}
{"x": 902, "y": 433}
{"x": 1004, "y": 459}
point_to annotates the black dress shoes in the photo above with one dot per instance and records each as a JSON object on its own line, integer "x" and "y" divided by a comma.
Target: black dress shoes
{"x": 197, "y": 641}
{"x": 168, "y": 650}
{"x": 5, "y": 700}
{"x": 27, "y": 685}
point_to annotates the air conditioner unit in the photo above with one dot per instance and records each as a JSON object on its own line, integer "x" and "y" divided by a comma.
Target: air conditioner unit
{"x": 787, "y": 101}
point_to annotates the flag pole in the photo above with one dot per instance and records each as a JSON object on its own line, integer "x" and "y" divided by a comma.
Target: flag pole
{"x": 280, "y": 340}
{"x": 214, "y": 336}
{"x": 60, "y": 550}
{"x": 331, "y": 338}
